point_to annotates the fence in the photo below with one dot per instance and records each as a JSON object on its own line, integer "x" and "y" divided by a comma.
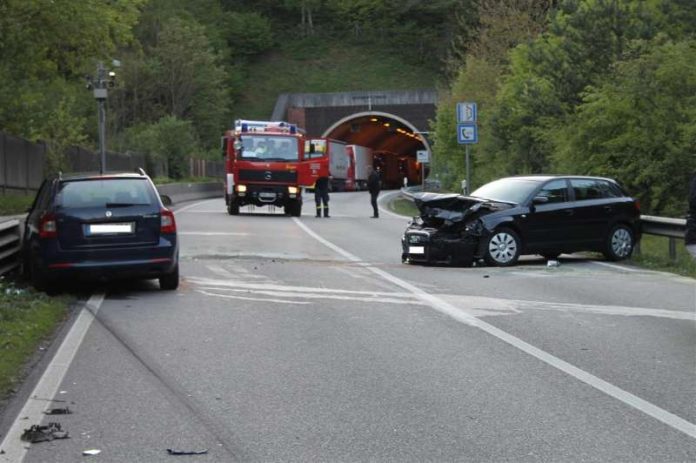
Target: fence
{"x": 22, "y": 164}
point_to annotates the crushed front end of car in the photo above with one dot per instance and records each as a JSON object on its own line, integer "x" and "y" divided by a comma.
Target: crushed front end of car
{"x": 448, "y": 230}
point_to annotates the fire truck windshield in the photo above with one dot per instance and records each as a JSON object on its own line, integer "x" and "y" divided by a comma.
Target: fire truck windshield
{"x": 269, "y": 148}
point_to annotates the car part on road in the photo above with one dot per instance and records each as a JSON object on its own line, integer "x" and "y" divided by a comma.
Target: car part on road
{"x": 91, "y": 452}
{"x": 58, "y": 411}
{"x": 38, "y": 433}
{"x": 187, "y": 452}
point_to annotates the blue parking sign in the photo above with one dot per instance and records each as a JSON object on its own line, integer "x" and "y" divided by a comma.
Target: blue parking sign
{"x": 467, "y": 134}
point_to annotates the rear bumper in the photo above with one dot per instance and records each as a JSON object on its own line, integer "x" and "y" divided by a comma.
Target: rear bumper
{"x": 110, "y": 263}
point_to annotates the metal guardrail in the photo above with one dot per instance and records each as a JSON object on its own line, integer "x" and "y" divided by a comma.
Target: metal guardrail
{"x": 674, "y": 229}
{"x": 10, "y": 245}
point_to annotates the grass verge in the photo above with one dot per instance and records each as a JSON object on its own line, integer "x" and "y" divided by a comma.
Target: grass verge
{"x": 403, "y": 206}
{"x": 15, "y": 204}
{"x": 27, "y": 318}
{"x": 654, "y": 255}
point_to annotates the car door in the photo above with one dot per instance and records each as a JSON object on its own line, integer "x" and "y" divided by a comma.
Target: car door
{"x": 594, "y": 207}
{"x": 548, "y": 223}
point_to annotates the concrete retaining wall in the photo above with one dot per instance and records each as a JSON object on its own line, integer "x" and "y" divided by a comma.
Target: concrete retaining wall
{"x": 180, "y": 192}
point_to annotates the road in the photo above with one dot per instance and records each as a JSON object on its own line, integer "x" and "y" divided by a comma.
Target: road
{"x": 308, "y": 340}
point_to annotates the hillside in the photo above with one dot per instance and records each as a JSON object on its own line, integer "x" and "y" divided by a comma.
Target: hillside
{"x": 311, "y": 66}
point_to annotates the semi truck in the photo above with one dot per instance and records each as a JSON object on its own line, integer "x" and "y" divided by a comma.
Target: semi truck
{"x": 361, "y": 165}
{"x": 266, "y": 164}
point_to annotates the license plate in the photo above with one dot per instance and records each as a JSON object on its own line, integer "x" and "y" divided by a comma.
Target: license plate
{"x": 111, "y": 228}
{"x": 416, "y": 250}
{"x": 266, "y": 195}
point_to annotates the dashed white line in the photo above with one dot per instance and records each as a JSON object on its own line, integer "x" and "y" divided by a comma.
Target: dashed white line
{"x": 442, "y": 306}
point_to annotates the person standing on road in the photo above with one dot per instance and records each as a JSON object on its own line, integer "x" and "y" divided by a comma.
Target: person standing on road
{"x": 373, "y": 185}
{"x": 690, "y": 237}
{"x": 321, "y": 195}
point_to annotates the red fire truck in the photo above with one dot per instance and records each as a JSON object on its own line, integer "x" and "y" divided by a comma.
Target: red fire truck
{"x": 266, "y": 164}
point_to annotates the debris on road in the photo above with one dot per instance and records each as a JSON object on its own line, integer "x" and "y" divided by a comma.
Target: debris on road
{"x": 58, "y": 411}
{"x": 187, "y": 452}
{"x": 38, "y": 433}
{"x": 91, "y": 452}
{"x": 553, "y": 263}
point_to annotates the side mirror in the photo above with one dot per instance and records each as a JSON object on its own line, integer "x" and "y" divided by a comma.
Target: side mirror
{"x": 166, "y": 200}
{"x": 540, "y": 200}
{"x": 237, "y": 145}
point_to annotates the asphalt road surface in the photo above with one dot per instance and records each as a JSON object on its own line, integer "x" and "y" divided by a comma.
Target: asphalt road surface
{"x": 308, "y": 340}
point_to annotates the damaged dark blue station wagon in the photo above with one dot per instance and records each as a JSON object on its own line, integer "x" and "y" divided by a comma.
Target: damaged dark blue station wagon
{"x": 100, "y": 227}
{"x": 509, "y": 217}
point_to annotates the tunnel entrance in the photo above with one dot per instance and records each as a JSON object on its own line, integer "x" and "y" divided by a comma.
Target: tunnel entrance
{"x": 393, "y": 140}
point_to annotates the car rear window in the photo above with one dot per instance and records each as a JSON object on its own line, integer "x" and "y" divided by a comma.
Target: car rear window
{"x": 100, "y": 192}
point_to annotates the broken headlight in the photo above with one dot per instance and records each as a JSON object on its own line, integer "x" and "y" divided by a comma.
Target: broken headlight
{"x": 475, "y": 227}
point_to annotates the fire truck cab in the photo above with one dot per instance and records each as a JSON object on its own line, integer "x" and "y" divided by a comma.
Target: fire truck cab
{"x": 266, "y": 164}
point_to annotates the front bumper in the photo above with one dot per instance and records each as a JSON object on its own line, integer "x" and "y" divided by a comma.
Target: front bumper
{"x": 262, "y": 195}
{"x": 433, "y": 247}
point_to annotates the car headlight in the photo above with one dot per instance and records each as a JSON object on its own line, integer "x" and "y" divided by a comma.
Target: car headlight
{"x": 293, "y": 190}
{"x": 241, "y": 188}
{"x": 474, "y": 227}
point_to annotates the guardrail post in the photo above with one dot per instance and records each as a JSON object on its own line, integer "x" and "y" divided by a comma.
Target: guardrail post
{"x": 672, "y": 248}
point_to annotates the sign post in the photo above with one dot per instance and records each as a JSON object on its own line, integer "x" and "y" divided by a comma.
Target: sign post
{"x": 467, "y": 133}
{"x": 423, "y": 157}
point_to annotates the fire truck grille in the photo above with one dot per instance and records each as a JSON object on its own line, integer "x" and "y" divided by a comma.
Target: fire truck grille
{"x": 284, "y": 176}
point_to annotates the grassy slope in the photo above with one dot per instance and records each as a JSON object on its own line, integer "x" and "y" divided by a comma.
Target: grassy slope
{"x": 314, "y": 66}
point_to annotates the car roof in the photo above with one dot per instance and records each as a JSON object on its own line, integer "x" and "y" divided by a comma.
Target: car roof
{"x": 96, "y": 175}
{"x": 545, "y": 177}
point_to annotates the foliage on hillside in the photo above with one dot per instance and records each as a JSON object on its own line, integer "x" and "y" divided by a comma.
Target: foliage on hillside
{"x": 584, "y": 87}
{"x": 189, "y": 67}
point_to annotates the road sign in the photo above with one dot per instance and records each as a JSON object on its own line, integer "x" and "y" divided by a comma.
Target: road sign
{"x": 423, "y": 156}
{"x": 467, "y": 134}
{"x": 466, "y": 113}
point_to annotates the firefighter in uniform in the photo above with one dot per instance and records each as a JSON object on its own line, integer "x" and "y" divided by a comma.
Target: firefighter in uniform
{"x": 321, "y": 195}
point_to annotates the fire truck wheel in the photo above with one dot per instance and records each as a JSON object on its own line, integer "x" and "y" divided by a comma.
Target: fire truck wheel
{"x": 233, "y": 208}
{"x": 294, "y": 208}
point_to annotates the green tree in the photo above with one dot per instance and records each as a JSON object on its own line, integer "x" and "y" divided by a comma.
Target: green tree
{"x": 639, "y": 126}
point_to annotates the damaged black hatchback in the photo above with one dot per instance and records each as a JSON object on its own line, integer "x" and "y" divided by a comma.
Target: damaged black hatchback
{"x": 509, "y": 217}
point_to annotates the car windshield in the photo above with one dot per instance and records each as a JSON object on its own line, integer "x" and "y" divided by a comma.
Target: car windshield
{"x": 113, "y": 192}
{"x": 507, "y": 190}
{"x": 269, "y": 148}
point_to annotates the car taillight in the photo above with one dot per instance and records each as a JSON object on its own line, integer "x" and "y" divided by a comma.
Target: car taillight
{"x": 168, "y": 224}
{"x": 47, "y": 226}
{"x": 636, "y": 203}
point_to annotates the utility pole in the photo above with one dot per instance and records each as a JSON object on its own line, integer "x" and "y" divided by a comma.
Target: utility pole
{"x": 99, "y": 84}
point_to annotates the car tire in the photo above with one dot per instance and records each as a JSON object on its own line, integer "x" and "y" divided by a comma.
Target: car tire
{"x": 233, "y": 208}
{"x": 503, "y": 248}
{"x": 38, "y": 278}
{"x": 619, "y": 243}
{"x": 170, "y": 281}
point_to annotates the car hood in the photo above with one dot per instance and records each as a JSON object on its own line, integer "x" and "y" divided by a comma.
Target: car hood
{"x": 454, "y": 208}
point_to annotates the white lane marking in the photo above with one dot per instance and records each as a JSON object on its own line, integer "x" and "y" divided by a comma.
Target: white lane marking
{"x": 196, "y": 204}
{"x": 202, "y": 233}
{"x": 438, "y": 304}
{"x": 278, "y": 301}
{"x": 236, "y": 284}
{"x": 291, "y": 294}
{"x": 49, "y": 383}
{"x": 473, "y": 305}
{"x": 615, "y": 266}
